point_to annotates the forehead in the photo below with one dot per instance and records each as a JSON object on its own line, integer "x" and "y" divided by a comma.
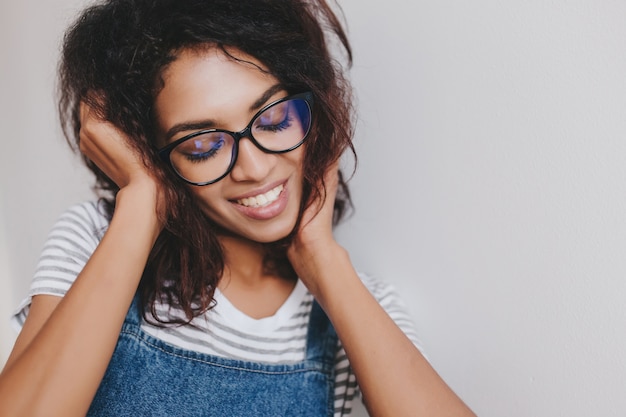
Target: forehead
{"x": 208, "y": 82}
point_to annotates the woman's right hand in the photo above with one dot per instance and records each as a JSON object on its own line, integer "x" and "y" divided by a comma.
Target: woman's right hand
{"x": 65, "y": 345}
{"x": 108, "y": 147}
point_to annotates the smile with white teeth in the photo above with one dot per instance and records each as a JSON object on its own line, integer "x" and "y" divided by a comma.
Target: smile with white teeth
{"x": 262, "y": 199}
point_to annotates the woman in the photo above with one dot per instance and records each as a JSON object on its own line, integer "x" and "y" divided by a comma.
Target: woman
{"x": 207, "y": 280}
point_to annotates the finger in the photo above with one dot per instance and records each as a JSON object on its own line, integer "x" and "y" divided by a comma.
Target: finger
{"x": 106, "y": 146}
{"x": 331, "y": 183}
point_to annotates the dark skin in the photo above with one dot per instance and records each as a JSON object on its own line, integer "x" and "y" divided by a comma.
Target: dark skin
{"x": 63, "y": 351}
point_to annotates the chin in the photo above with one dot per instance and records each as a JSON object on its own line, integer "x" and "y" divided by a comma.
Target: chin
{"x": 264, "y": 233}
{"x": 270, "y": 236}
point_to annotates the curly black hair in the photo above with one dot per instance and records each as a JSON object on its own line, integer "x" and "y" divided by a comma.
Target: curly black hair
{"x": 113, "y": 58}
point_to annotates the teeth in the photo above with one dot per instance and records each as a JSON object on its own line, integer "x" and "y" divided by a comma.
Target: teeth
{"x": 262, "y": 199}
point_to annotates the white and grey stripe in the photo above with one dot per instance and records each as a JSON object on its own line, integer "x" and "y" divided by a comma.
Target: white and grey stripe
{"x": 76, "y": 235}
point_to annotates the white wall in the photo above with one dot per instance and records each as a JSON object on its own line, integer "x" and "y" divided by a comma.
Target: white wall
{"x": 7, "y": 336}
{"x": 39, "y": 177}
{"x": 491, "y": 186}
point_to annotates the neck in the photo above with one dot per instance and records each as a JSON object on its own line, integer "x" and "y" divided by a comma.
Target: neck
{"x": 247, "y": 281}
{"x": 243, "y": 259}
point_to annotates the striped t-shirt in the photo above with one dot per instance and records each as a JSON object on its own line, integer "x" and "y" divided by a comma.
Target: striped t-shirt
{"x": 224, "y": 330}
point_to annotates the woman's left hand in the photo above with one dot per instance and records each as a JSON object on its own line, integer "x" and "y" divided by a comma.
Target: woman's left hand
{"x": 398, "y": 384}
{"x": 314, "y": 243}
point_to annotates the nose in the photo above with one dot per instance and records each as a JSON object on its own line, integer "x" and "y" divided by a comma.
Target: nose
{"x": 252, "y": 163}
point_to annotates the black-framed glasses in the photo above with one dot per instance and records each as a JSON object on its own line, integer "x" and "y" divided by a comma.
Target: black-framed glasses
{"x": 207, "y": 156}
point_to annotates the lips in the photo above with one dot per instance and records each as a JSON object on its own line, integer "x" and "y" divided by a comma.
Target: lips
{"x": 263, "y": 205}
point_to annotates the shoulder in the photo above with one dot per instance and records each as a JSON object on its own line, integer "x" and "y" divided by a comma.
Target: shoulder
{"x": 395, "y": 306}
{"x": 87, "y": 219}
{"x": 68, "y": 247}
{"x": 382, "y": 290}
{"x": 72, "y": 240}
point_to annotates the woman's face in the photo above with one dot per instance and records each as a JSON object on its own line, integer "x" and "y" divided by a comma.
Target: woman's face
{"x": 203, "y": 89}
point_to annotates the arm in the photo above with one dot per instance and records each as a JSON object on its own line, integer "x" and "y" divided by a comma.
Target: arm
{"x": 395, "y": 379}
{"x": 64, "y": 348}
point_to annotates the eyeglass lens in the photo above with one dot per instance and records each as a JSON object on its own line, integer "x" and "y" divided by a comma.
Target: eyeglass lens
{"x": 207, "y": 157}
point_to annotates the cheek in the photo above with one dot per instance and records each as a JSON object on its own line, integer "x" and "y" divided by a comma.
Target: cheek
{"x": 296, "y": 158}
{"x": 207, "y": 197}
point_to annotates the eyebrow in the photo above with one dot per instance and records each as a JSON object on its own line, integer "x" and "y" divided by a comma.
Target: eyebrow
{"x": 208, "y": 123}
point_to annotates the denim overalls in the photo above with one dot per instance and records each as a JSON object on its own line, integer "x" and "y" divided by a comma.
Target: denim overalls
{"x": 148, "y": 377}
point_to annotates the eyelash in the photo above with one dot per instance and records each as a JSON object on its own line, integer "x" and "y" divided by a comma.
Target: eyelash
{"x": 284, "y": 124}
{"x": 201, "y": 157}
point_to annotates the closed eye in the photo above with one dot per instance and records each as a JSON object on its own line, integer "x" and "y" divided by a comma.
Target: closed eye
{"x": 277, "y": 127}
{"x": 200, "y": 152}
